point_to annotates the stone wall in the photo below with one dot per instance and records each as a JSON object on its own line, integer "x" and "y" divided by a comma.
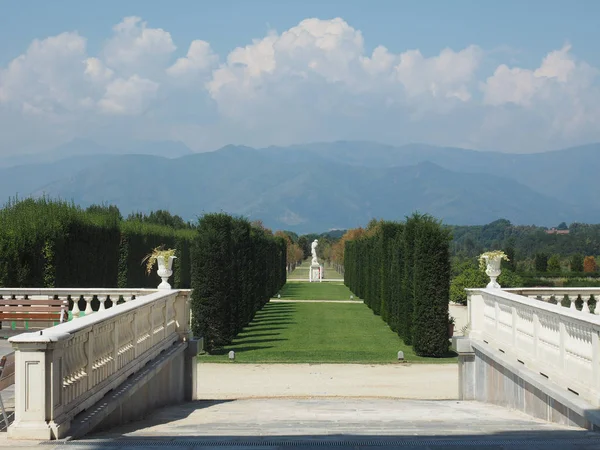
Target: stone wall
{"x": 170, "y": 379}
{"x": 486, "y": 376}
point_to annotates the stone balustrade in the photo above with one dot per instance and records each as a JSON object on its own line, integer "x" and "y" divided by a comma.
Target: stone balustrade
{"x": 77, "y": 296}
{"x": 568, "y": 296}
{"x": 560, "y": 343}
{"x": 65, "y": 369}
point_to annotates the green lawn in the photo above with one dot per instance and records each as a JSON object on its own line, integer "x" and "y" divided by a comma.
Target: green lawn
{"x": 303, "y": 290}
{"x": 302, "y": 272}
{"x": 318, "y": 333}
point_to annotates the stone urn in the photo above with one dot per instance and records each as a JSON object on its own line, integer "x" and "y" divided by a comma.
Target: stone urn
{"x": 493, "y": 270}
{"x": 165, "y": 271}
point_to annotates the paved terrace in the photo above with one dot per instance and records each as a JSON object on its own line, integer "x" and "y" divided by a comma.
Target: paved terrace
{"x": 340, "y": 423}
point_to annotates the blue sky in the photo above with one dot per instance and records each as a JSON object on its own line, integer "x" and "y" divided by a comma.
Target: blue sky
{"x": 511, "y": 76}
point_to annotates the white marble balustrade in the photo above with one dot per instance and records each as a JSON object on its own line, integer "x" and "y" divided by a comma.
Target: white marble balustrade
{"x": 560, "y": 343}
{"x": 62, "y": 370}
{"x": 559, "y": 294}
{"x": 77, "y": 296}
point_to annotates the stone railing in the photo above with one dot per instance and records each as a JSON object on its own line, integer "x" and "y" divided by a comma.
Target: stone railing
{"x": 78, "y": 297}
{"x": 65, "y": 369}
{"x": 562, "y": 344}
{"x": 563, "y": 296}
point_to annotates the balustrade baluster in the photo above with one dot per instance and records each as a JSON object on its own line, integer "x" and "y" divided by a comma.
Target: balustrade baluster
{"x": 572, "y": 299}
{"x": 102, "y": 299}
{"x": 76, "y": 312}
{"x": 586, "y": 303}
{"x": 88, "y": 307}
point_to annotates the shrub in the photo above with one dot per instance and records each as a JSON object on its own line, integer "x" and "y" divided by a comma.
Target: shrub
{"x": 589, "y": 264}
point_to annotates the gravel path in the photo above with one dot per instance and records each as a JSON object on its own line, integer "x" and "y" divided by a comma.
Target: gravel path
{"x": 402, "y": 380}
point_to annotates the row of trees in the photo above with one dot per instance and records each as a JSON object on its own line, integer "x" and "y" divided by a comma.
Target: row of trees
{"x": 236, "y": 269}
{"x": 236, "y": 266}
{"x": 525, "y": 241}
{"x": 402, "y": 271}
{"x": 577, "y": 263}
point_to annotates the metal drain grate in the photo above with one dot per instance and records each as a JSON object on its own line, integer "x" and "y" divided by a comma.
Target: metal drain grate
{"x": 199, "y": 442}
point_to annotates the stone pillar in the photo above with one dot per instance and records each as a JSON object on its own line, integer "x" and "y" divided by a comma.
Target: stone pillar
{"x": 191, "y": 369}
{"x": 466, "y": 367}
{"x": 38, "y": 386}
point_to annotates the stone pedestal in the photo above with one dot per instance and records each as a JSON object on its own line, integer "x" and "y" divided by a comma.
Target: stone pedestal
{"x": 315, "y": 273}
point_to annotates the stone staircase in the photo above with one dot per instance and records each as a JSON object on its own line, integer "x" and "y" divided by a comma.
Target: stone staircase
{"x": 337, "y": 422}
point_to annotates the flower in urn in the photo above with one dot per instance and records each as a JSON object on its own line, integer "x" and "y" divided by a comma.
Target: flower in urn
{"x": 490, "y": 262}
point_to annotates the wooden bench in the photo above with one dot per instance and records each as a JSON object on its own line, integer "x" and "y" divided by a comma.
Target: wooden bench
{"x": 7, "y": 378}
{"x": 34, "y": 309}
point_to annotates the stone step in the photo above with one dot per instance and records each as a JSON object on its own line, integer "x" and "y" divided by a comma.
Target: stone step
{"x": 347, "y": 423}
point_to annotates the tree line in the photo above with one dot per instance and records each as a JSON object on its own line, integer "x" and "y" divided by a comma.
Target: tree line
{"x": 234, "y": 266}
{"x": 402, "y": 272}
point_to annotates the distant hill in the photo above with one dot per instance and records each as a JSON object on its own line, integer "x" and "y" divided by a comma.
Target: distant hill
{"x": 86, "y": 148}
{"x": 336, "y": 185}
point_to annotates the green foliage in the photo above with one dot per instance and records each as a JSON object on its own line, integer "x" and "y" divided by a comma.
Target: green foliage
{"x": 57, "y": 244}
{"x": 51, "y": 243}
{"x": 470, "y": 277}
{"x": 137, "y": 239}
{"x": 554, "y": 264}
{"x": 511, "y": 264}
{"x": 402, "y": 271}
{"x": 236, "y": 268}
{"x": 526, "y": 241}
{"x": 576, "y": 263}
{"x": 161, "y": 217}
{"x": 541, "y": 262}
{"x": 510, "y": 279}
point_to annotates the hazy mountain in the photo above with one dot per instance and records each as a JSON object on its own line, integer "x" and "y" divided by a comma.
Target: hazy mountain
{"x": 86, "y": 148}
{"x": 332, "y": 185}
{"x": 568, "y": 175}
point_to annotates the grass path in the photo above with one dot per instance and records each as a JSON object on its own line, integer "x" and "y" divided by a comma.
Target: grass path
{"x": 301, "y": 290}
{"x": 317, "y": 332}
{"x": 301, "y": 272}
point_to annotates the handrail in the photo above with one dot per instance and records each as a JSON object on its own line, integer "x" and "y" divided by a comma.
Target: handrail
{"x": 67, "y": 368}
{"x": 559, "y": 342}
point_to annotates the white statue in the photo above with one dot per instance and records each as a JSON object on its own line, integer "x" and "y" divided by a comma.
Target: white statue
{"x": 315, "y": 272}
{"x": 314, "y": 251}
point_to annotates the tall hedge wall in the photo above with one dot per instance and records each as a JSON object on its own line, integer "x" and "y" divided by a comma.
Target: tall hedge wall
{"x": 46, "y": 243}
{"x": 55, "y": 244}
{"x": 138, "y": 239}
{"x": 402, "y": 271}
{"x": 236, "y": 269}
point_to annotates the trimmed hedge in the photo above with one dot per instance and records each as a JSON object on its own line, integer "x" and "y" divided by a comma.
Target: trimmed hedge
{"x": 55, "y": 244}
{"x": 402, "y": 271}
{"x": 138, "y": 239}
{"x": 236, "y": 269}
{"x": 46, "y": 243}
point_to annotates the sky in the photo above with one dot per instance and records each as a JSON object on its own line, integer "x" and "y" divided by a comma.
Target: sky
{"x": 508, "y": 76}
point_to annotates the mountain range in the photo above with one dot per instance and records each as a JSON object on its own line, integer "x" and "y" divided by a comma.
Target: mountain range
{"x": 315, "y": 187}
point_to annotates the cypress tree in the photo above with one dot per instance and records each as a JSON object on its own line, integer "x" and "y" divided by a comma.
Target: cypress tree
{"x": 431, "y": 287}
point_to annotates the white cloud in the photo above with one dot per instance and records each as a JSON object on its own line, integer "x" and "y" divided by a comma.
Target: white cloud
{"x": 326, "y": 54}
{"x": 316, "y": 80}
{"x": 444, "y": 76}
{"x": 198, "y": 62}
{"x": 135, "y": 48}
{"x": 46, "y": 78}
{"x": 128, "y": 96}
{"x": 562, "y": 90}
{"x": 97, "y": 71}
